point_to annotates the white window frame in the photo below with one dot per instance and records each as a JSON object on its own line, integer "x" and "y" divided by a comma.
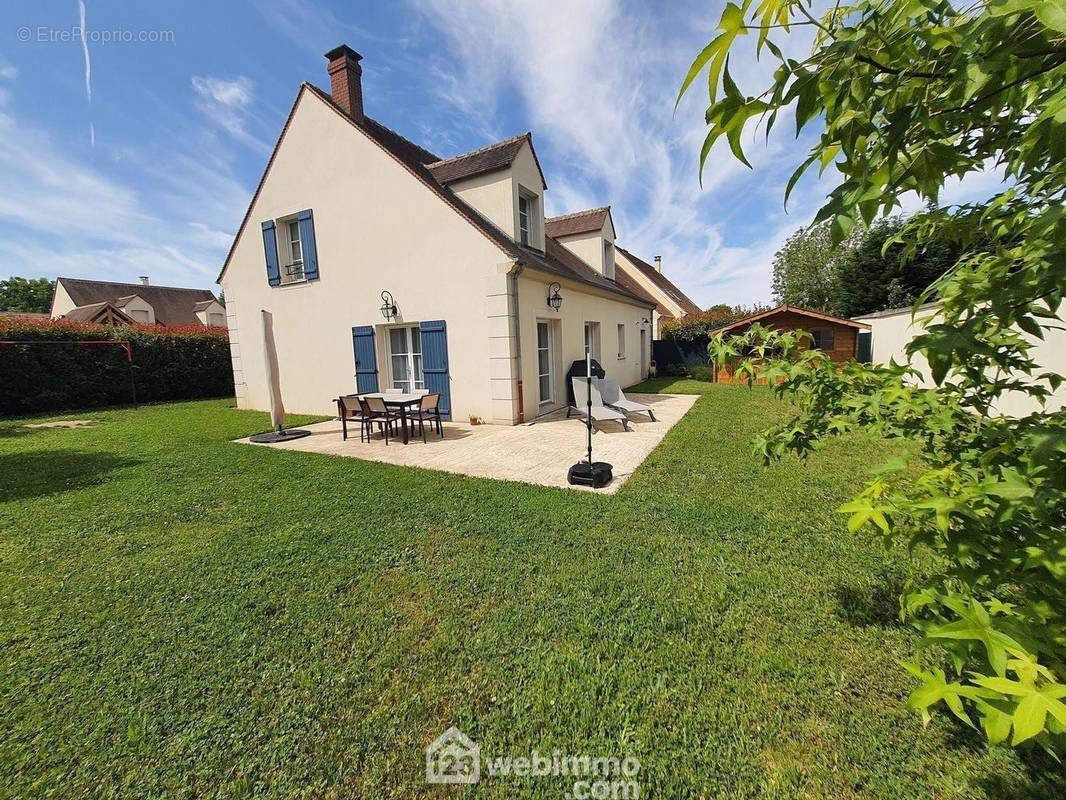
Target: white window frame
{"x": 286, "y": 263}
{"x": 550, "y": 374}
{"x": 592, "y": 339}
{"x": 529, "y": 232}
{"x": 409, "y": 356}
{"x": 621, "y": 341}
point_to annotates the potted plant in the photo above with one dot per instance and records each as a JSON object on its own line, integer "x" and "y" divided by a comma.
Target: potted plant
{"x": 475, "y": 419}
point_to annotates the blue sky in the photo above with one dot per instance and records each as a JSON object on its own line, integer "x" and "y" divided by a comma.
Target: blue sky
{"x": 136, "y": 151}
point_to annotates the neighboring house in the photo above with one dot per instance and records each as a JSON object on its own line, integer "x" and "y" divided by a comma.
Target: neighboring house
{"x": 125, "y": 303}
{"x": 892, "y": 330}
{"x": 646, "y": 280}
{"x": 384, "y": 265}
{"x": 836, "y": 337}
{"x": 25, "y": 316}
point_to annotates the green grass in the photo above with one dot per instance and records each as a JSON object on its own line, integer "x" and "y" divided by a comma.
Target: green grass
{"x": 186, "y": 617}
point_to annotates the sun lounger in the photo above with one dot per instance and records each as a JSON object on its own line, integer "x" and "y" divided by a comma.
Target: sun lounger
{"x": 600, "y": 412}
{"x": 614, "y": 397}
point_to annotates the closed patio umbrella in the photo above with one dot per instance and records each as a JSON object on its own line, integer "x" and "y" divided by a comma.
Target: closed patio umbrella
{"x": 277, "y": 406}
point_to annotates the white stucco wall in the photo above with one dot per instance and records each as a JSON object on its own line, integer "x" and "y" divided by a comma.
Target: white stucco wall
{"x": 589, "y": 247}
{"x": 891, "y": 333}
{"x": 61, "y": 302}
{"x": 568, "y": 324}
{"x": 377, "y": 227}
{"x": 495, "y": 195}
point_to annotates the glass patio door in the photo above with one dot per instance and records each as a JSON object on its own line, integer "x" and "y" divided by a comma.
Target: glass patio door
{"x": 405, "y": 358}
{"x": 545, "y": 371}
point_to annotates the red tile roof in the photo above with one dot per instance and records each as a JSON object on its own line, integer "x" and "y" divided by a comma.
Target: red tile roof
{"x": 804, "y": 312}
{"x": 480, "y": 162}
{"x": 578, "y": 222}
{"x": 662, "y": 282}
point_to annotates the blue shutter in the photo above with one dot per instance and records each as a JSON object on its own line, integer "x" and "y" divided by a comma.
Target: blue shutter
{"x": 435, "y": 363}
{"x": 307, "y": 241}
{"x": 366, "y": 362}
{"x": 270, "y": 249}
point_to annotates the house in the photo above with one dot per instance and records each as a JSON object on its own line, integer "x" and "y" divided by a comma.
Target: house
{"x": 836, "y": 337}
{"x": 649, "y": 281}
{"x": 126, "y": 303}
{"x": 384, "y": 265}
{"x": 892, "y": 330}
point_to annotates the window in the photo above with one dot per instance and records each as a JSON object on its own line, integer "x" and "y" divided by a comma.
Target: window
{"x": 138, "y": 315}
{"x": 608, "y": 260}
{"x": 621, "y": 341}
{"x": 545, "y": 376}
{"x": 823, "y": 339}
{"x": 216, "y": 319}
{"x": 592, "y": 339}
{"x": 405, "y": 358}
{"x": 292, "y": 267}
{"x": 526, "y": 207}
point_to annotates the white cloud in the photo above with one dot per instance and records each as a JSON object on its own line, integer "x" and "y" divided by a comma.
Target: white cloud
{"x": 8, "y": 72}
{"x": 230, "y": 103}
{"x": 597, "y": 83}
{"x": 66, "y": 216}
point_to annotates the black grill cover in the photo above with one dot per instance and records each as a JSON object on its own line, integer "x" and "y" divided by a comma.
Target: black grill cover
{"x": 577, "y": 370}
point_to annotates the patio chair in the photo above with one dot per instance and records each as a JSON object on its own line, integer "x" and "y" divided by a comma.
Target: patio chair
{"x": 428, "y": 411}
{"x": 600, "y": 412}
{"x": 350, "y": 409}
{"x": 380, "y": 414}
{"x": 614, "y": 397}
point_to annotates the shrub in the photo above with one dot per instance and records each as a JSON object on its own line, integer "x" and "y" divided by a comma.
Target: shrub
{"x": 696, "y": 327}
{"x": 703, "y": 374}
{"x": 52, "y": 371}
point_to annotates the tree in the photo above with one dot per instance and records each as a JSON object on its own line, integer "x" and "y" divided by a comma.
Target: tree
{"x": 905, "y": 94}
{"x": 876, "y": 275}
{"x": 21, "y": 294}
{"x": 806, "y": 268}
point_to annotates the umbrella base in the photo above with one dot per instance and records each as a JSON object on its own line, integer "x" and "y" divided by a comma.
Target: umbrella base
{"x": 276, "y": 437}
{"x": 597, "y": 474}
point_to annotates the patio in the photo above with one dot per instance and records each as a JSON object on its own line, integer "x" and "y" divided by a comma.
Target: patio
{"x": 538, "y": 452}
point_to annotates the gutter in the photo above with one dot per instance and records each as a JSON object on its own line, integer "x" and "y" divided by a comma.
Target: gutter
{"x": 514, "y": 272}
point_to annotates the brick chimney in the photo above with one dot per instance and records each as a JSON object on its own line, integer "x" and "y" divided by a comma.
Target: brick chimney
{"x": 345, "y": 80}
{"x": 658, "y": 263}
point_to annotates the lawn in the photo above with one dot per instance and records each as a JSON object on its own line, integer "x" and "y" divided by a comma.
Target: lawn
{"x": 185, "y": 617}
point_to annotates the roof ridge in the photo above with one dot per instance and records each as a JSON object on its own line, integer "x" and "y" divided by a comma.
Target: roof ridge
{"x": 136, "y": 285}
{"x": 573, "y": 214}
{"x": 501, "y": 143}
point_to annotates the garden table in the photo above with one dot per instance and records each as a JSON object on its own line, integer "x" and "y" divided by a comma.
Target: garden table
{"x": 401, "y": 402}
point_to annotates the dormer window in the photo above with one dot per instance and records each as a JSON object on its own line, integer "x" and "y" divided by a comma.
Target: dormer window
{"x": 527, "y": 215}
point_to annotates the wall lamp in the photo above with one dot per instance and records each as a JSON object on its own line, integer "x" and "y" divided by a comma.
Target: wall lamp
{"x": 388, "y": 306}
{"x": 554, "y": 299}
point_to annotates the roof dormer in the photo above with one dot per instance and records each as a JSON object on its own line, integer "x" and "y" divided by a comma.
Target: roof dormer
{"x": 504, "y": 183}
{"x": 589, "y": 235}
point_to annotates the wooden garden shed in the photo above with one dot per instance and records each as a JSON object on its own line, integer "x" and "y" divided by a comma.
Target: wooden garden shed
{"x": 836, "y": 336}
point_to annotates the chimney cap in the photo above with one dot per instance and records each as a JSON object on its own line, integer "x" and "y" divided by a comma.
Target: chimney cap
{"x": 144, "y": 279}
{"x": 342, "y": 50}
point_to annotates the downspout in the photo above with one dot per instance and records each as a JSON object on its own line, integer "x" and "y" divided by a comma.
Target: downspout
{"x": 514, "y": 272}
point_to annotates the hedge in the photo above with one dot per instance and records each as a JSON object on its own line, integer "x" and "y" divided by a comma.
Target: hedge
{"x": 169, "y": 363}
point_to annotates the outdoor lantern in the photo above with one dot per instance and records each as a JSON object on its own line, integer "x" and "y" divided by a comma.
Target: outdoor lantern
{"x": 388, "y": 306}
{"x": 554, "y": 299}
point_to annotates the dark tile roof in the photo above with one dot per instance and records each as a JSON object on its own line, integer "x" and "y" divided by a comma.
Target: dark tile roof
{"x": 172, "y": 305}
{"x": 479, "y": 162}
{"x": 662, "y": 282}
{"x": 557, "y": 260}
{"x": 578, "y": 222}
{"x": 203, "y": 305}
{"x": 623, "y": 279}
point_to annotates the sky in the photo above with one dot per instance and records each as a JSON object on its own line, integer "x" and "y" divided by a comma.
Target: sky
{"x": 133, "y": 135}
